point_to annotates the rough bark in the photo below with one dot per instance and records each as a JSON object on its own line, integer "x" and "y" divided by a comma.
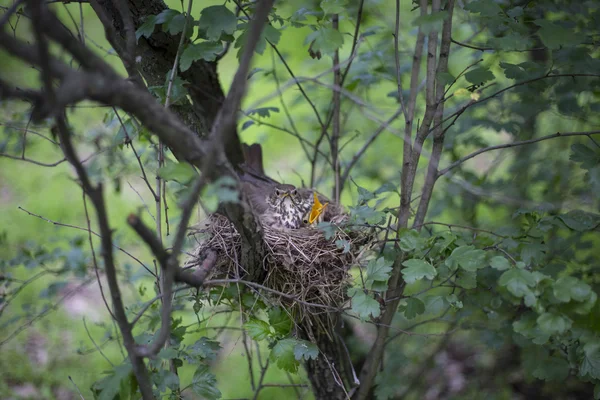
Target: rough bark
{"x": 155, "y": 57}
{"x": 333, "y": 358}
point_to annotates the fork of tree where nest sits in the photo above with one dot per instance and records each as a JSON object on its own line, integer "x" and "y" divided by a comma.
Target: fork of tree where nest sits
{"x": 278, "y": 205}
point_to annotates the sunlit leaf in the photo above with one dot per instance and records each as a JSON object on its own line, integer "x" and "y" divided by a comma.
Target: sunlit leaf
{"x": 417, "y": 269}
{"x": 363, "y": 304}
{"x": 257, "y": 329}
{"x": 283, "y": 354}
{"x": 204, "y": 383}
{"x": 305, "y": 350}
{"x": 216, "y": 20}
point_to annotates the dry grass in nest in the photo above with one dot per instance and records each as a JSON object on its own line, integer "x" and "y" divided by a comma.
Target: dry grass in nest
{"x": 311, "y": 270}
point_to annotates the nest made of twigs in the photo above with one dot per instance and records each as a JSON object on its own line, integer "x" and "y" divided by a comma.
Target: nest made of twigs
{"x": 306, "y": 272}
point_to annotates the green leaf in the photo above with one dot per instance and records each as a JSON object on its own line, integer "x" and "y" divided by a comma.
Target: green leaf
{"x": 430, "y": 22}
{"x": 204, "y": 348}
{"x": 528, "y": 327}
{"x": 147, "y": 28}
{"x": 257, "y": 329}
{"x": 515, "y": 12}
{"x": 166, "y": 16}
{"x": 283, "y": 354}
{"x": 532, "y": 253}
{"x": 386, "y": 187}
{"x": 109, "y": 386}
{"x": 412, "y": 307}
{"x": 204, "y": 383}
{"x": 165, "y": 379}
{"x": 343, "y": 244}
{"x": 555, "y": 36}
{"x": 263, "y": 111}
{"x": 271, "y": 34}
{"x": 364, "y": 195}
{"x": 334, "y": 6}
{"x": 453, "y": 300}
{"x": 486, "y": 8}
{"x": 568, "y": 287}
{"x": 366, "y": 214}
{"x": 553, "y": 323}
{"x": 305, "y": 350}
{"x": 180, "y": 172}
{"x": 328, "y": 229}
{"x": 411, "y": 240}
{"x": 176, "y": 24}
{"x": 417, "y": 269}
{"x": 590, "y": 362}
{"x": 580, "y": 221}
{"x": 167, "y": 353}
{"x": 517, "y": 281}
{"x": 552, "y": 369}
{"x": 378, "y": 270}
{"x": 466, "y": 279}
{"x": 479, "y": 75}
{"x": 216, "y": 20}
{"x": 206, "y": 51}
{"x": 363, "y": 305}
{"x": 224, "y": 189}
{"x": 466, "y": 257}
{"x": 512, "y": 71}
{"x": 280, "y": 321}
{"x": 500, "y": 263}
{"x": 326, "y": 40}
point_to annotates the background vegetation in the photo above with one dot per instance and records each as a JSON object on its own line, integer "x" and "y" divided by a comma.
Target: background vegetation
{"x": 496, "y": 276}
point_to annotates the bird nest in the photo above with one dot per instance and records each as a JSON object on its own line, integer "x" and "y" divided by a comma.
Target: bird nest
{"x": 305, "y": 271}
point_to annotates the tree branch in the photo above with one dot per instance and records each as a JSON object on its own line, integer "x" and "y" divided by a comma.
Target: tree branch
{"x": 438, "y": 133}
{"x": 514, "y": 144}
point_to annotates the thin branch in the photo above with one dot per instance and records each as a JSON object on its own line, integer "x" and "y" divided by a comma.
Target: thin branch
{"x": 46, "y": 311}
{"x": 9, "y": 13}
{"x": 481, "y": 48}
{"x": 96, "y": 345}
{"x": 366, "y": 145}
{"x": 41, "y": 164}
{"x": 96, "y": 196}
{"x": 354, "y": 40}
{"x": 335, "y": 132}
{"x": 86, "y": 230}
{"x": 94, "y": 260}
{"x": 397, "y": 60}
{"x": 438, "y": 133}
{"x": 514, "y": 144}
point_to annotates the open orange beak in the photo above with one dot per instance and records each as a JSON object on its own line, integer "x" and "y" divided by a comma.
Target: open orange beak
{"x": 317, "y": 209}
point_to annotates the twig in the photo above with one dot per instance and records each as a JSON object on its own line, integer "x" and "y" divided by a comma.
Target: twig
{"x": 514, "y": 144}
{"x": 46, "y": 311}
{"x": 95, "y": 344}
{"x": 97, "y": 198}
{"x": 336, "y": 104}
{"x": 365, "y": 146}
{"x": 94, "y": 261}
{"x": 76, "y": 388}
{"x": 86, "y": 230}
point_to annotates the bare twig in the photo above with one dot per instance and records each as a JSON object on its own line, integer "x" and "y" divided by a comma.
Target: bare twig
{"x": 335, "y": 133}
{"x": 86, "y": 230}
{"x": 513, "y": 144}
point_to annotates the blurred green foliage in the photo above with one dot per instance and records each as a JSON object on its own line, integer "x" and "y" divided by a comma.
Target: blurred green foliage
{"x": 510, "y": 302}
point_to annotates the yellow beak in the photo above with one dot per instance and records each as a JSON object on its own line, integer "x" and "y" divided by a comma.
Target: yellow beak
{"x": 317, "y": 209}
